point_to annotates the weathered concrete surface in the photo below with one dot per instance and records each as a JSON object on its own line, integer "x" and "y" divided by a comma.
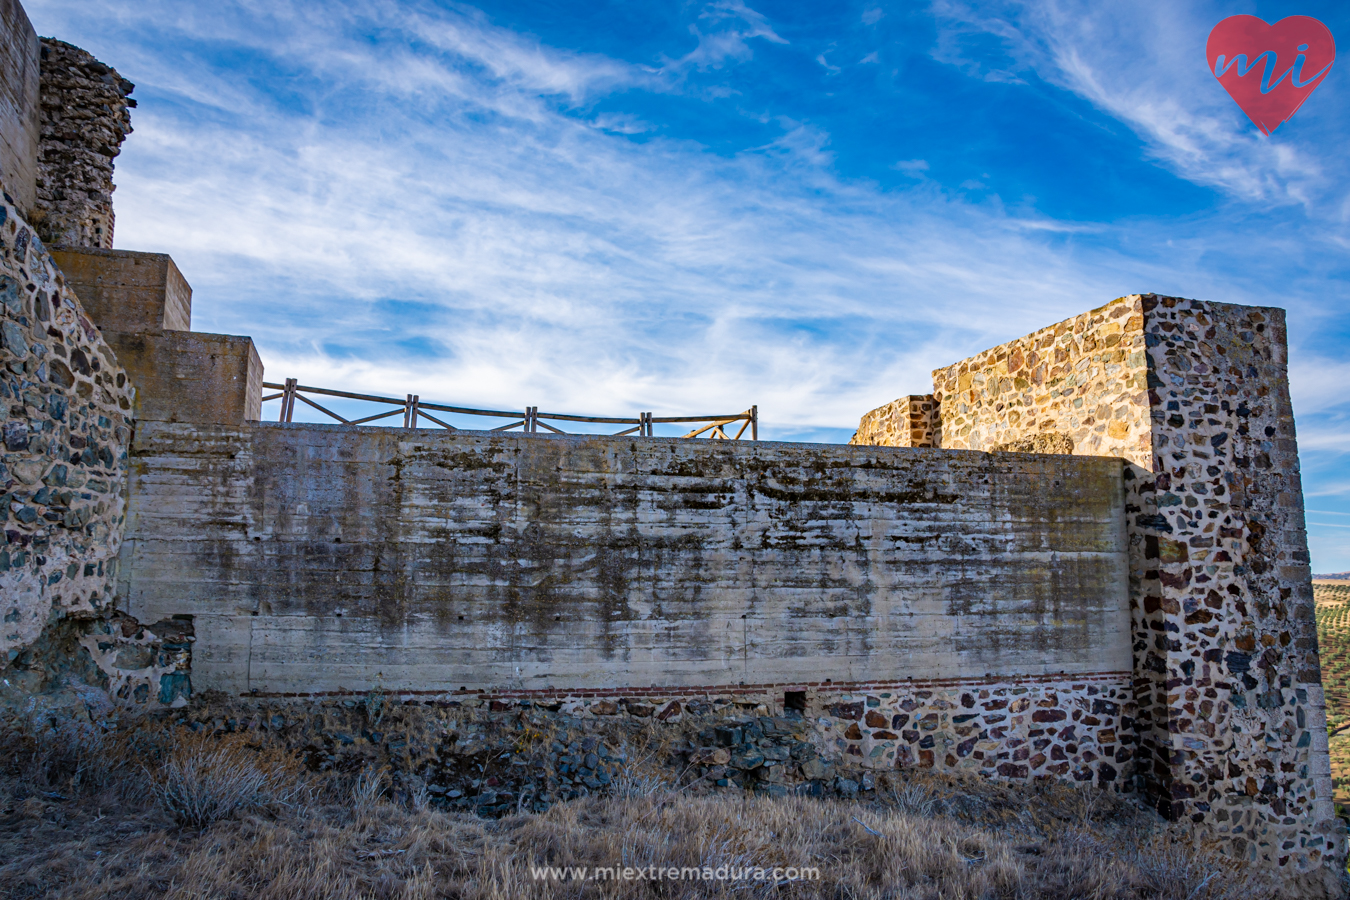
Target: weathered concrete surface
{"x": 143, "y": 305}
{"x": 190, "y": 376}
{"x": 126, "y": 291}
{"x": 18, "y": 105}
{"x": 323, "y": 558}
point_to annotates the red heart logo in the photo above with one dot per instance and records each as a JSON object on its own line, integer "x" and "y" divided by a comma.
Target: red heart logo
{"x": 1270, "y": 69}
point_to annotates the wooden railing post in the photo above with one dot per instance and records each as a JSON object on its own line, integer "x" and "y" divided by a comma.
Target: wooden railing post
{"x": 410, "y": 411}
{"x": 287, "y": 400}
{"x": 754, "y": 423}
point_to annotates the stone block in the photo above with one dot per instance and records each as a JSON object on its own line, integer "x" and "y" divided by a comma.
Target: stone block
{"x": 188, "y": 376}
{"x": 127, "y": 292}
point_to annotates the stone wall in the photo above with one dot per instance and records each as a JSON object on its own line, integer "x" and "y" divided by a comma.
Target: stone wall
{"x": 468, "y": 751}
{"x": 85, "y": 117}
{"x": 66, "y": 429}
{"x": 1078, "y": 728}
{"x": 319, "y": 560}
{"x": 908, "y": 422}
{"x": 1081, "y": 383}
{"x": 1195, "y": 395}
{"x": 18, "y": 105}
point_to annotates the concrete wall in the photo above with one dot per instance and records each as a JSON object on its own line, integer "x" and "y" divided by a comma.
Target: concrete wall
{"x": 326, "y": 559}
{"x": 143, "y": 305}
{"x": 18, "y": 105}
{"x": 420, "y": 559}
{"x": 1195, "y": 396}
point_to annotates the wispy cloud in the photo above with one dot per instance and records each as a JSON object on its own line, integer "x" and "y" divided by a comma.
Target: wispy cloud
{"x": 1143, "y": 64}
{"x": 546, "y": 258}
{"x": 724, "y": 30}
{"x": 409, "y": 197}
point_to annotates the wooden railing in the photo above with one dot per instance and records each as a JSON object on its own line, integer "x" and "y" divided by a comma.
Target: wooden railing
{"x": 413, "y": 409}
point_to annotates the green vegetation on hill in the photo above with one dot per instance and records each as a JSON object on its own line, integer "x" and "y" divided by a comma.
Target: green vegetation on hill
{"x": 1333, "y": 639}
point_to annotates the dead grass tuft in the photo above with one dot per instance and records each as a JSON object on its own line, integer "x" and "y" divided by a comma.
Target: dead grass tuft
{"x": 204, "y": 778}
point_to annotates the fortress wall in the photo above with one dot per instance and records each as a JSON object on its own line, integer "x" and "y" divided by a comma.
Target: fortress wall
{"x": 1195, "y": 395}
{"x": 325, "y": 559}
{"x": 908, "y": 422}
{"x": 1084, "y": 380}
{"x": 65, "y": 418}
{"x": 85, "y": 118}
{"x": 18, "y": 105}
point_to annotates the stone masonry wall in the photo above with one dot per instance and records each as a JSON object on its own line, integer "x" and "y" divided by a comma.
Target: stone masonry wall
{"x": 85, "y": 118}
{"x": 64, "y": 411}
{"x": 1231, "y": 720}
{"x": 1019, "y": 729}
{"x": 1084, "y": 380}
{"x": 908, "y": 422}
{"x": 1071, "y": 729}
{"x": 496, "y": 757}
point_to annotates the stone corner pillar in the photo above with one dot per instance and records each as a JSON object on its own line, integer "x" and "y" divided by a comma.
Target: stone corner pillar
{"x": 1194, "y": 398}
{"x": 1232, "y": 719}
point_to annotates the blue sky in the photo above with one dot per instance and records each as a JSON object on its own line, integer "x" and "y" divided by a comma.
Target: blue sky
{"x": 607, "y": 207}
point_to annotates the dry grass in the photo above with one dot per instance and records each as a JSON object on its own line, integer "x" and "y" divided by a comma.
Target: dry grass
{"x": 160, "y": 813}
{"x": 204, "y": 778}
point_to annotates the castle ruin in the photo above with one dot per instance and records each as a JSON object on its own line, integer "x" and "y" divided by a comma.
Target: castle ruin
{"x": 1082, "y": 556}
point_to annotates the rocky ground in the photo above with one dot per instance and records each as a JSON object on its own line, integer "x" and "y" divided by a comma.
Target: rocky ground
{"x": 498, "y": 760}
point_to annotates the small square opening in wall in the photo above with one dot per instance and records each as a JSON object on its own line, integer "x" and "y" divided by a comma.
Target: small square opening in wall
{"x": 794, "y": 700}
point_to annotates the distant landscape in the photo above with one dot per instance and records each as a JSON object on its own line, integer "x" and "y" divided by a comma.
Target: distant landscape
{"x": 1333, "y": 638}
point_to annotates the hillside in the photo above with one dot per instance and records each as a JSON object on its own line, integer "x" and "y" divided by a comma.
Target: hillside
{"x": 1333, "y": 637}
